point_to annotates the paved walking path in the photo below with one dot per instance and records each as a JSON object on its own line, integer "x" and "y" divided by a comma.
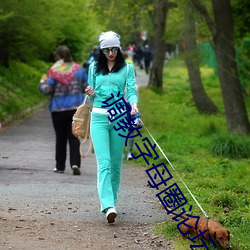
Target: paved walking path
{"x": 40, "y": 209}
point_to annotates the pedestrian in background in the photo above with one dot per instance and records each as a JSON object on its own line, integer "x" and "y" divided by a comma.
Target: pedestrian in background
{"x": 147, "y": 54}
{"x": 138, "y": 52}
{"x": 92, "y": 57}
{"x": 109, "y": 74}
{"x": 65, "y": 84}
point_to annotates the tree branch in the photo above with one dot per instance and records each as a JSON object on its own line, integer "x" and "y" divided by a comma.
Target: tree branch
{"x": 202, "y": 9}
{"x": 172, "y": 5}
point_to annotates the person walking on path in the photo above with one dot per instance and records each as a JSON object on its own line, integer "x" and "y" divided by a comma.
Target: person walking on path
{"x": 147, "y": 54}
{"x": 65, "y": 84}
{"x": 109, "y": 75}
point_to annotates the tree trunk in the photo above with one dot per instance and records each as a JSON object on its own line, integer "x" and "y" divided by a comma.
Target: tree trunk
{"x": 159, "y": 47}
{"x": 235, "y": 109}
{"x": 201, "y": 99}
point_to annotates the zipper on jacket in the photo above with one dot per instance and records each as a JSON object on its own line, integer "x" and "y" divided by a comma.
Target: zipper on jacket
{"x": 109, "y": 85}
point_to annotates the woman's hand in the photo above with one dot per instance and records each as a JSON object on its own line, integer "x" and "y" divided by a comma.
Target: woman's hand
{"x": 43, "y": 79}
{"x": 134, "y": 109}
{"x": 90, "y": 91}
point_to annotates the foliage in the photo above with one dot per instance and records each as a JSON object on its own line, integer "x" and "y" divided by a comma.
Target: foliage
{"x": 175, "y": 25}
{"x": 242, "y": 37}
{"x": 19, "y": 88}
{"x": 27, "y": 33}
{"x": 127, "y": 17}
{"x": 241, "y": 17}
{"x": 243, "y": 48}
{"x": 219, "y": 183}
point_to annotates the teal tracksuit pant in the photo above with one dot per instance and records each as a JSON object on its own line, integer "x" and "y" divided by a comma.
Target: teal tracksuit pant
{"x": 108, "y": 146}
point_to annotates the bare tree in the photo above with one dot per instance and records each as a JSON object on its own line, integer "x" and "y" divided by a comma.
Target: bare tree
{"x": 223, "y": 37}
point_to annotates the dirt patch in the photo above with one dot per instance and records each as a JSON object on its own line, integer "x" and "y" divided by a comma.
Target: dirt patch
{"x": 51, "y": 234}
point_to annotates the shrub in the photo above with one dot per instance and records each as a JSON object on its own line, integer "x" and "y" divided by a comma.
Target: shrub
{"x": 231, "y": 146}
{"x": 224, "y": 200}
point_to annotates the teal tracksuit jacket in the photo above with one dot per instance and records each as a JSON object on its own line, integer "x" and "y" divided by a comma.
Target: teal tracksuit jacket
{"x": 108, "y": 145}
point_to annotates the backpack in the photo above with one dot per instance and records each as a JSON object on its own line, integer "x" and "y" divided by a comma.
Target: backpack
{"x": 81, "y": 126}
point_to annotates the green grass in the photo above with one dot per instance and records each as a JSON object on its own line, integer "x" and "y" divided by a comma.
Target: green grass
{"x": 214, "y": 164}
{"x": 19, "y": 87}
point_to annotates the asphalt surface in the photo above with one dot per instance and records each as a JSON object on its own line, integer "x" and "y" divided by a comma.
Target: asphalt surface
{"x": 26, "y": 164}
{"x": 30, "y": 190}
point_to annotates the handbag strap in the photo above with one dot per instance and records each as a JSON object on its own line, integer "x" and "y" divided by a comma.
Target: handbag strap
{"x": 85, "y": 99}
{"x": 85, "y": 139}
{"x": 87, "y": 134}
{"x": 90, "y": 149}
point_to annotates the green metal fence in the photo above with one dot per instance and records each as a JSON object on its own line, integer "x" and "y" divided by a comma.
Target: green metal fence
{"x": 208, "y": 58}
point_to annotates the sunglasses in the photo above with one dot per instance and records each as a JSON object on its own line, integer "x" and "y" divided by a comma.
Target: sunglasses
{"x": 106, "y": 51}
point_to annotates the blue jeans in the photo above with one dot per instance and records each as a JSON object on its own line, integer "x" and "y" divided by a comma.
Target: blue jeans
{"x": 108, "y": 146}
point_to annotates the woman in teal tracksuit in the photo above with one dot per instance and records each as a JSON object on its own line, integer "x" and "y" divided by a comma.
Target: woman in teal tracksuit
{"x": 109, "y": 74}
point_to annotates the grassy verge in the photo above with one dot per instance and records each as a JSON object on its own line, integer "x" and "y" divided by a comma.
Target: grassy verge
{"x": 214, "y": 164}
{"x": 19, "y": 88}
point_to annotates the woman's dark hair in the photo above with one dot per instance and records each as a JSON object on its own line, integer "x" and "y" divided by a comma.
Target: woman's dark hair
{"x": 63, "y": 52}
{"x": 102, "y": 67}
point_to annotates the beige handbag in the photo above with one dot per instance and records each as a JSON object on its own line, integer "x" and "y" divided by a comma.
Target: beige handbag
{"x": 81, "y": 126}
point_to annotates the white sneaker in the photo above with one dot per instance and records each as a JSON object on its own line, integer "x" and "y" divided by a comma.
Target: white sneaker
{"x": 111, "y": 214}
{"x": 58, "y": 171}
{"x": 76, "y": 170}
{"x": 129, "y": 157}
